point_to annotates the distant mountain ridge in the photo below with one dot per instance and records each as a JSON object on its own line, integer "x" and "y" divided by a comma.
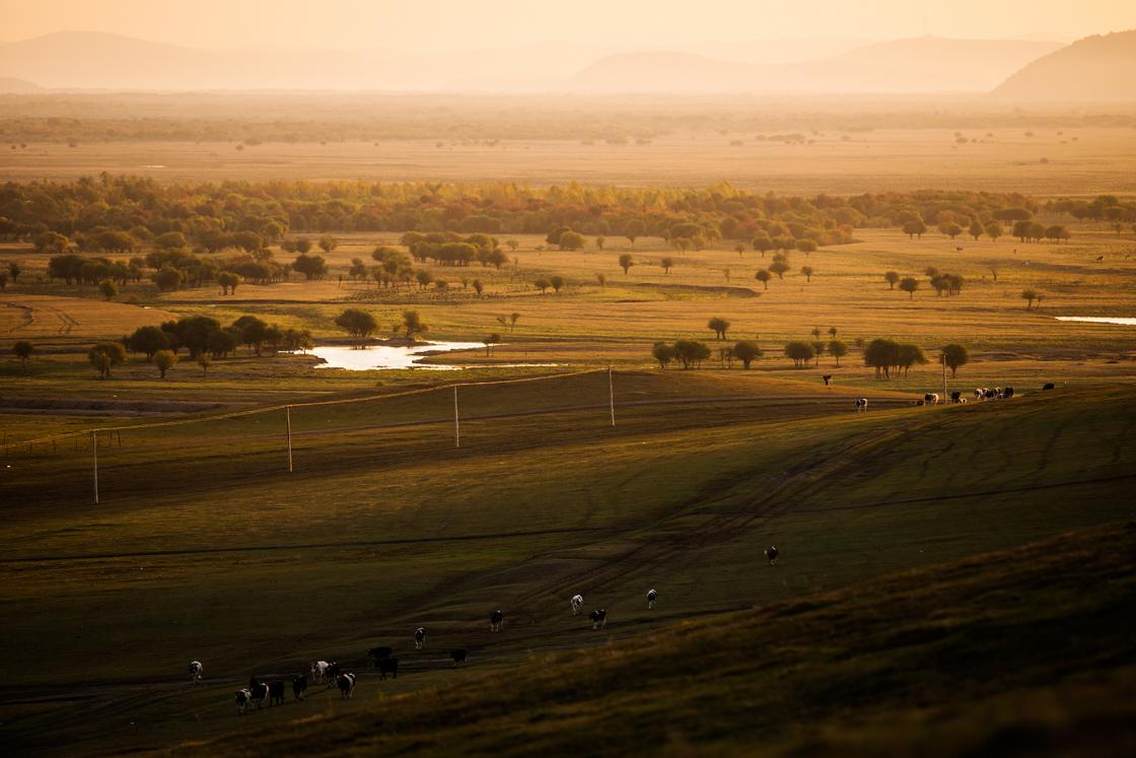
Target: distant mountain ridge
{"x": 1101, "y": 68}
{"x": 11, "y": 86}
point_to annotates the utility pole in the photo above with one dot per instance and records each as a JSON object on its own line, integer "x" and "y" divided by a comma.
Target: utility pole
{"x": 611, "y": 395}
{"x": 288, "y": 423}
{"x": 457, "y": 422}
{"x": 943, "y": 363}
{"x": 95, "y": 455}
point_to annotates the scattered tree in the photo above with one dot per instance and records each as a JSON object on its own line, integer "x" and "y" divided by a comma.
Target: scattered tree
{"x": 807, "y": 272}
{"x": 106, "y": 355}
{"x": 663, "y": 353}
{"x": 909, "y": 285}
{"x": 1029, "y": 296}
{"x": 557, "y": 283}
{"x": 357, "y": 323}
{"x": 625, "y": 263}
{"x": 891, "y": 277}
{"x": 763, "y": 276}
{"x": 490, "y": 341}
{"x": 691, "y": 352}
{"x": 779, "y": 268}
{"x": 108, "y": 289}
{"x": 800, "y": 353}
{"x": 719, "y": 326}
{"x": 164, "y": 360}
{"x": 23, "y": 350}
{"x": 542, "y": 285}
{"x": 746, "y": 352}
{"x": 667, "y": 264}
{"x": 954, "y": 356}
{"x": 837, "y": 350}
{"x": 412, "y": 323}
{"x": 148, "y": 340}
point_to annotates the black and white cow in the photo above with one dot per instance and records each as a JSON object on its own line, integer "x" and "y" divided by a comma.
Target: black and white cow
{"x": 196, "y": 670}
{"x": 243, "y": 698}
{"x": 979, "y": 393}
{"x": 1048, "y": 386}
{"x": 276, "y": 693}
{"x": 931, "y": 398}
{"x": 652, "y": 596}
{"x": 599, "y": 618}
{"x": 458, "y": 656}
{"x": 419, "y": 638}
{"x": 388, "y": 665}
{"x": 346, "y": 684}
{"x": 771, "y": 555}
{"x": 259, "y": 692}
{"x": 861, "y": 404}
{"x": 299, "y": 686}
{"x": 577, "y": 602}
{"x": 496, "y": 620}
{"x": 377, "y": 654}
{"x": 319, "y": 671}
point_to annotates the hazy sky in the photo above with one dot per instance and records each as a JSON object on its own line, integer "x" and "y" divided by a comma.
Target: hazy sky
{"x": 475, "y": 24}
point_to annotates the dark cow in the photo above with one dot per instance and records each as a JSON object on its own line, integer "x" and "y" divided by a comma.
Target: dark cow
{"x": 931, "y": 398}
{"x": 377, "y": 654}
{"x": 259, "y": 692}
{"x": 956, "y": 396}
{"x": 1048, "y": 386}
{"x": 771, "y": 554}
{"x": 331, "y": 673}
{"x": 599, "y": 618}
{"x": 243, "y": 698}
{"x": 458, "y": 656}
{"x": 496, "y": 620}
{"x": 346, "y": 684}
{"x": 299, "y": 686}
{"x": 652, "y": 596}
{"x": 388, "y": 666}
{"x": 276, "y": 693}
{"x": 992, "y": 394}
{"x": 195, "y": 671}
{"x": 827, "y": 379}
{"x": 419, "y": 638}
{"x": 1007, "y": 393}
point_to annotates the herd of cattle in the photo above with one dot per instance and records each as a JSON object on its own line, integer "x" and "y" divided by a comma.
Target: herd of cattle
{"x": 980, "y": 394}
{"x": 260, "y": 693}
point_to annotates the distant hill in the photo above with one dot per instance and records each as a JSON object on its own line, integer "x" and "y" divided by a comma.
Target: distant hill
{"x": 1099, "y": 68}
{"x": 918, "y": 65}
{"x": 10, "y": 86}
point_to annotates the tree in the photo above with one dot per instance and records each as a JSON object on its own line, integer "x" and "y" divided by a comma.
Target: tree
{"x": 542, "y": 285}
{"x": 663, "y": 353}
{"x": 747, "y": 352}
{"x": 909, "y": 285}
{"x": 691, "y": 352}
{"x": 818, "y": 348}
{"x": 762, "y": 243}
{"x": 954, "y": 357}
{"x": 719, "y": 326}
{"x": 950, "y": 229}
{"x": 634, "y": 229}
{"x": 667, "y": 264}
{"x": 513, "y": 245}
{"x": 168, "y": 279}
{"x": 412, "y": 323}
{"x": 478, "y": 287}
{"x": 489, "y": 341}
{"x": 3, "y": 280}
{"x": 807, "y": 271}
{"x": 357, "y": 323}
{"x": 763, "y": 276}
{"x": 557, "y": 283}
{"x": 108, "y": 289}
{"x": 228, "y": 281}
{"x": 204, "y": 361}
{"x": 807, "y": 246}
{"x": 23, "y": 350}
{"x": 327, "y": 244}
{"x": 14, "y": 271}
{"x": 1029, "y": 296}
{"x": 891, "y": 277}
{"x": 800, "y": 353}
{"x": 105, "y": 355}
{"x": 251, "y": 331}
{"x": 837, "y": 350}
{"x": 303, "y": 245}
{"x": 625, "y": 263}
{"x": 779, "y": 268}
{"x": 909, "y": 355}
{"x": 882, "y": 355}
{"x": 171, "y": 241}
{"x": 148, "y": 340}
{"x": 423, "y": 277}
{"x": 513, "y": 321}
{"x": 601, "y": 279}
{"x": 915, "y": 228}
{"x": 164, "y": 360}
{"x": 571, "y": 241}
{"x": 994, "y": 231}
{"x": 600, "y": 242}
{"x": 976, "y": 229}
{"x": 311, "y": 266}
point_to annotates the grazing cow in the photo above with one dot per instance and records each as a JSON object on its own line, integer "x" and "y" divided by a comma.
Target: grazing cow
{"x": 1049, "y": 386}
{"x": 861, "y": 404}
{"x": 276, "y": 693}
{"x": 991, "y": 394}
{"x": 319, "y": 671}
{"x": 459, "y": 655}
{"x": 599, "y": 618}
{"x": 388, "y": 666}
{"x": 496, "y": 620}
{"x": 956, "y": 397}
{"x": 346, "y": 684}
{"x": 979, "y": 393}
{"x": 195, "y": 671}
{"x": 652, "y": 596}
{"x": 243, "y": 698}
{"x": 1007, "y": 393}
{"x": 259, "y": 692}
{"x": 332, "y": 673}
{"x": 931, "y": 398}
{"x": 827, "y": 379}
{"x": 299, "y": 686}
{"x": 419, "y": 637}
{"x": 771, "y": 555}
{"x": 1100, "y": 258}
{"x": 958, "y": 249}
{"x": 377, "y": 654}
{"x": 577, "y": 603}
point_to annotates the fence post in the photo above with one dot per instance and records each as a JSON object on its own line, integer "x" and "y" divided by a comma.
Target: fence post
{"x": 288, "y": 422}
{"x": 457, "y": 422}
{"x": 611, "y": 395}
{"x": 95, "y": 456}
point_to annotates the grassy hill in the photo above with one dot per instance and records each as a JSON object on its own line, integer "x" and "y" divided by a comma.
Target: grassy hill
{"x": 1024, "y": 651}
{"x": 1098, "y": 68}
